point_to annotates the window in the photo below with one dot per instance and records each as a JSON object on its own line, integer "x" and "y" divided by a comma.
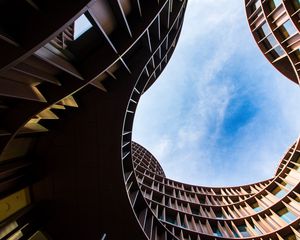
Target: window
{"x": 279, "y": 51}
{"x": 171, "y": 219}
{"x": 255, "y": 6}
{"x": 216, "y": 231}
{"x": 82, "y": 24}
{"x": 202, "y": 200}
{"x": 296, "y": 4}
{"x": 256, "y": 207}
{"x": 243, "y": 230}
{"x": 160, "y": 214}
{"x": 182, "y": 222}
{"x": 296, "y": 167}
{"x": 287, "y": 29}
{"x": 233, "y": 231}
{"x": 279, "y": 192}
{"x": 264, "y": 30}
{"x": 195, "y": 211}
{"x": 256, "y": 229}
{"x": 287, "y": 185}
{"x": 271, "y": 39}
{"x": 219, "y": 214}
{"x": 290, "y": 237}
{"x": 274, "y": 4}
{"x": 286, "y": 215}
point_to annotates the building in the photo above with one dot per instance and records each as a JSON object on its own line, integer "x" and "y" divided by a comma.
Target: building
{"x": 263, "y": 210}
{"x": 275, "y": 27}
{"x": 68, "y": 167}
{"x": 64, "y": 95}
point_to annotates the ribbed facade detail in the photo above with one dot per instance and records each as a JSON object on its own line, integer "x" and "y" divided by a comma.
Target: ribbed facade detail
{"x": 264, "y": 210}
{"x": 275, "y": 27}
{"x": 47, "y": 73}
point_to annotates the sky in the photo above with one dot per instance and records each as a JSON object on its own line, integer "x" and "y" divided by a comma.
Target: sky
{"x": 220, "y": 114}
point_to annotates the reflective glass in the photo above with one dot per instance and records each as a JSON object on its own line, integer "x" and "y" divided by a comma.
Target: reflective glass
{"x": 287, "y": 29}
{"x": 256, "y": 207}
{"x": 216, "y": 231}
{"x": 271, "y": 39}
{"x": 274, "y": 4}
{"x": 255, "y": 6}
{"x": 82, "y": 24}
{"x": 279, "y": 50}
{"x": 243, "y": 230}
{"x": 286, "y": 215}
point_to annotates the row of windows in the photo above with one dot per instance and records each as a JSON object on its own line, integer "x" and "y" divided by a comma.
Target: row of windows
{"x": 229, "y": 212}
{"x": 152, "y": 179}
{"x": 186, "y": 202}
{"x": 265, "y": 225}
{"x": 282, "y": 188}
{"x": 286, "y": 30}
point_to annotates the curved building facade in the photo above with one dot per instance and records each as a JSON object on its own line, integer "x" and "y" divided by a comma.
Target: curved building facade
{"x": 264, "y": 210}
{"x": 67, "y": 73}
{"x": 275, "y": 27}
{"x": 68, "y": 166}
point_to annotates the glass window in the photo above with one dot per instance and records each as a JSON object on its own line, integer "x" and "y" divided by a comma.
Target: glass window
{"x": 219, "y": 214}
{"x": 195, "y": 211}
{"x": 279, "y": 51}
{"x": 290, "y": 237}
{"x": 257, "y": 230}
{"x": 297, "y": 52}
{"x": 287, "y": 185}
{"x": 82, "y": 24}
{"x": 171, "y": 219}
{"x": 263, "y": 31}
{"x": 265, "y": 28}
{"x": 279, "y": 192}
{"x": 274, "y": 4}
{"x": 161, "y": 216}
{"x": 243, "y": 230}
{"x": 233, "y": 231}
{"x": 182, "y": 222}
{"x": 202, "y": 200}
{"x": 286, "y": 215}
{"x": 287, "y": 29}
{"x": 271, "y": 39}
{"x": 216, "y": 231}
{"x": 256, "y": 207}
{"x": 296, "y": 4}
{"x": 255, "y": 6}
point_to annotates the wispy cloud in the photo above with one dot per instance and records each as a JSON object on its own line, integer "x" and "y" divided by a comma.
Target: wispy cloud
{"x": 219, "y": 114}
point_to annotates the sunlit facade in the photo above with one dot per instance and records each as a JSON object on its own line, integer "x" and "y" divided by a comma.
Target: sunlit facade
{"x": 275, "y": 27}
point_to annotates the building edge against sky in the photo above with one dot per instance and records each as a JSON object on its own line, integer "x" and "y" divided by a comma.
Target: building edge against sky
{"x": 275, "y": 28}
{"x": 69, "y": 169}
{"x": 264, "y": 210}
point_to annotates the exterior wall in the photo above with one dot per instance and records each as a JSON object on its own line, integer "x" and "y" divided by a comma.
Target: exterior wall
{"x": 275, "y": 28}
{"x": 264, "y": 210}
{"x": 48, "y": 75}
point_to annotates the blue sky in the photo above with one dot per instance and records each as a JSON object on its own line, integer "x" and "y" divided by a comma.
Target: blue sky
{"x": 220, "y": 114}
